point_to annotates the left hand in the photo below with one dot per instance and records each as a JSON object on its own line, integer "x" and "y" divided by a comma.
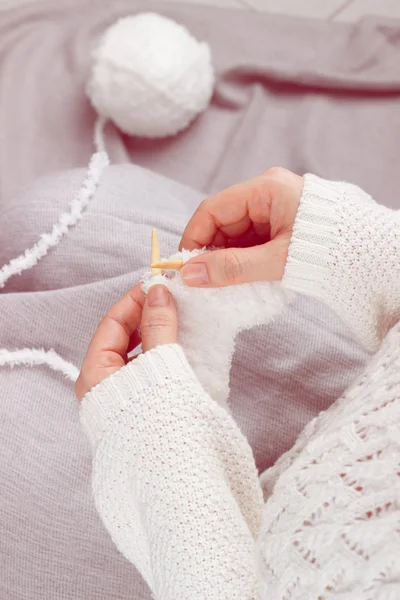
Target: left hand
{"x": 117, "y": 334}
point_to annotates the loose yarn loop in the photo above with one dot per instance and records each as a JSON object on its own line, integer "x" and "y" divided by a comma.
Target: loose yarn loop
{"x": 32, "y": 256}
{"x": 33, "y": 356}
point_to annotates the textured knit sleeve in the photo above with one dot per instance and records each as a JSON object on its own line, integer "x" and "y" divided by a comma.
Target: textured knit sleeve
{"x": 345, "y": 250}
{"x": 174, "y": 480}
{"x": 331, "y": 523}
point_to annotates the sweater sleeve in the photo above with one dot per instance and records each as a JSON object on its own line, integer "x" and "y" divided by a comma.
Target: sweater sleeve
{"x": 345, "y": 250}
{"x": 331, "y": 523}
{"x": 174, "y": 480}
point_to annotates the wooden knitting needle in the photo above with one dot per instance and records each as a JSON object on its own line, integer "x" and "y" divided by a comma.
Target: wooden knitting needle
{"x": 173, "y": 265}
{"x": 155, "y": 253}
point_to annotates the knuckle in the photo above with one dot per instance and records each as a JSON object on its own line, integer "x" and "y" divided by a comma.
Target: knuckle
{"x": 155, "y": 322}
{"x": 206, "y": 206}
{"x": 256, "y": 193}
{"x": 232, "y": 267}
{"x": 259, "y": 201}
{"x": 276, "y": 173}
{"x": 205, "y": 203}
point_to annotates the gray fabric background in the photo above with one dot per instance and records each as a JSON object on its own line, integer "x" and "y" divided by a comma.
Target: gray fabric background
{"x": 52, "y": 544}
{"x": 305, "y": 95}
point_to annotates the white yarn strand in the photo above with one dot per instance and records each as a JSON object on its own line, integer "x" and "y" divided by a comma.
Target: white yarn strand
{"x": 99, "y": 142}
{"x": 32, "y": 256}
{"x": 31, "y": 357}
{"x": 135, "y": 87}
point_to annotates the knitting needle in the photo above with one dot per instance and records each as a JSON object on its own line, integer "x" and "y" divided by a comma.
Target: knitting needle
{"x": 173, "y": 265}
{"x": 155, "y": 253}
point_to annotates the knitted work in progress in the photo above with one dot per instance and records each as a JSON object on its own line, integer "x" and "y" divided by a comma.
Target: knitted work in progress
{"x": 211, "y": 318}
{"x": 170, "y": 465}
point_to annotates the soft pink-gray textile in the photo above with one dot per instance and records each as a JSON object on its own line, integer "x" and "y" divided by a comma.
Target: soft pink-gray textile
{"x": 311, "y": 96}
{"x": 52, "y": 544}
{"x": 266, "y": 111}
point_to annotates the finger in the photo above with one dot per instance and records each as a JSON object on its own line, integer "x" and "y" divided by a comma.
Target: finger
{"x": 231, "y": 211}
{"x": 159, "y": 320}
{"x": 219, "y": 240}
{"x": 108, "y": 349}
{"x": 114, "y": 332}
{"x": 238, "y": 265}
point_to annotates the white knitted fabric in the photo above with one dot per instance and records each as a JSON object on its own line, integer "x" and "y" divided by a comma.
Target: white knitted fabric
{"x": 174, "y": 480}
{"x": 180, "y": 496}
{"x": 331, "y": 525}
{"x": 345, "y": 250}
{"x": 211, "y": 318}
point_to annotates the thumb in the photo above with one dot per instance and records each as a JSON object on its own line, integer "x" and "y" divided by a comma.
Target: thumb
{"x": 159, "y": 319}
{"x": 233, "y": 266}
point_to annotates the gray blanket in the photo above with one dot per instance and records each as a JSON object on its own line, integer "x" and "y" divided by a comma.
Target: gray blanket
{"x": 309, "y": 96}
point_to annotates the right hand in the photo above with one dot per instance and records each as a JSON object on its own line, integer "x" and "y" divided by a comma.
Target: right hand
{"x": 253, "y": 221}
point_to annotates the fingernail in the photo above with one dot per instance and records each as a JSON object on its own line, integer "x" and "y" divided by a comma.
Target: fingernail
{"x": 194, "y": 274}
{"x": 158, "y": 296}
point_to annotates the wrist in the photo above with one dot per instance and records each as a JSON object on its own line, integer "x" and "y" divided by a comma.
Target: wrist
{"x": 143, "y": 378}
{"x": 316, "y": 232}
{"x": 335, "y": 255}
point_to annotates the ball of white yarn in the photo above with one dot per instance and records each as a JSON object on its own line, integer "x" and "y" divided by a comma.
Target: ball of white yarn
{"x": 150, "y": 76}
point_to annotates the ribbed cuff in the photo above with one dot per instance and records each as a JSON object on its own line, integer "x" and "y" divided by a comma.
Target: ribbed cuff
{"x": 141, "y": 377}
{"x": 316, "y": 233}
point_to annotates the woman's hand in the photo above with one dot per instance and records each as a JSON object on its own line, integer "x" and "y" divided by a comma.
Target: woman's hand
{"x": 117, "y": 334}
{"x": 253, "y": 221}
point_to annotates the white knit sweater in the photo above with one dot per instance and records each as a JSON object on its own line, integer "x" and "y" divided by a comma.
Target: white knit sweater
{"x": 174, "y": 479}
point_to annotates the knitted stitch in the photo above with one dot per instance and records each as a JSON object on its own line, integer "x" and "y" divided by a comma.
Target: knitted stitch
{"x": 210, "y": 319}
{"x": 345, "y": 251}
{"x": 191, "y": 533}
{"x": 174, "y": 479}
{"x": 331, "y": 525}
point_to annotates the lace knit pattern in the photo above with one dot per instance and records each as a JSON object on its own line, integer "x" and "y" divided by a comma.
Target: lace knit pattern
{"x": 331, "y": 525}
